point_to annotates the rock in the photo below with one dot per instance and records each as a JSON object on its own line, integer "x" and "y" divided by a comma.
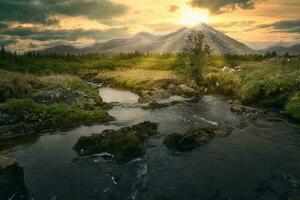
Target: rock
{"x": 11, "y": 177}
{"x": 154, "y": 95}
{"x": 194, "y": 138}
{"x": 174, "y": 90}
{"x": 188, "y": 91}
{"x": 125, "y": 144}
{"x": 236, "y": 102}
{"x": 222, "y": 131}
{"x": 237, "y": 109}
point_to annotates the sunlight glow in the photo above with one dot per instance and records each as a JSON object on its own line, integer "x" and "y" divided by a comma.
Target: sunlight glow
{"x": 193, "y": 17}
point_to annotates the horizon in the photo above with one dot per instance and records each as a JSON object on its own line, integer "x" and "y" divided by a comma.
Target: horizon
{"x": 32, "y": 25}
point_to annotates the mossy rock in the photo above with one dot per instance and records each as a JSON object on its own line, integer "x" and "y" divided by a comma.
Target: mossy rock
{"x": 195, "y": 138}
{"x": 125, "y": 144}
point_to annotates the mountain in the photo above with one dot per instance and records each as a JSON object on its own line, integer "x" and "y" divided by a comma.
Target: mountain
{"x": 170, "y": 43}
{"x": 61, "y": 50}
{"x": 293, "y": 50}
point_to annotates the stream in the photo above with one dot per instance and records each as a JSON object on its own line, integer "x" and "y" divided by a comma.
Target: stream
{"x": 260, "y": 160}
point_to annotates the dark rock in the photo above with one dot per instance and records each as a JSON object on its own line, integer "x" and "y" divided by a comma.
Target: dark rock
{"x": 194, "y": 138}
{"x": 125, "y": 144}
{"x": 11, "y": 177}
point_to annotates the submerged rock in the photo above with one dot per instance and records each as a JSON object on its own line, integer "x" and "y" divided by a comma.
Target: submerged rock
{"x": 11, "y": 177}
{"x": 250, "y": 112}
{"x": 195, "y": 138}
{"x": 125, "y": 144}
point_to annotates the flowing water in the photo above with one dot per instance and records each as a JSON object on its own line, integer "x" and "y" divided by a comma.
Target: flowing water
{"x": 260, "y": 160}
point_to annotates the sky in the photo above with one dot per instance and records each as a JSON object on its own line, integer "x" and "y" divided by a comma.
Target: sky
{"x": 27, "y": 25}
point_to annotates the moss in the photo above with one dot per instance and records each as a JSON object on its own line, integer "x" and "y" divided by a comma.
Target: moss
{"x": 293, "y": 107}
{"x": 125, "y": 144}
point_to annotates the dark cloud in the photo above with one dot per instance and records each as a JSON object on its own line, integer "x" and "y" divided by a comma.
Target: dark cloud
{"x": 44, "y": 11}
{"x": 220, "y": 6}
{"x": 66, "y": 35}
{"x": 173, "y": 8}
{"x": 292, "y": 26}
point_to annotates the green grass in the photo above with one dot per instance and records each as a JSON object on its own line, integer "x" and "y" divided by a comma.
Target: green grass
{"x": 39, "y": 116}
{"x": 270, "y": 83}
{"x": 292, "y": 108}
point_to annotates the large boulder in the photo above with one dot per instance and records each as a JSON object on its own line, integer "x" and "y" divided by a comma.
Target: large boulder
{"x": 124, "y": 144}
{"x": 11, "y": 177}
{"x": 195, "y": 138}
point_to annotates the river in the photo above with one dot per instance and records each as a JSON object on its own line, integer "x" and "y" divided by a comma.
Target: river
{"x": 260, "y": 160}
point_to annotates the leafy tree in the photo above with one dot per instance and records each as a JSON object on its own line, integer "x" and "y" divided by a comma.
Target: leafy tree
{"x": 195, "y": 57}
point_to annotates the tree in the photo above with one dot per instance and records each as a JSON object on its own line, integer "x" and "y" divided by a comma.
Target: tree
{"x": 195, "y": 57}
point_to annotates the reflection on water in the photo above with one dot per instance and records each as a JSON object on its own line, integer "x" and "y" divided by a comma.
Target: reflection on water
{"x": 259, "y": 162}
{"x": 110, "y": 95}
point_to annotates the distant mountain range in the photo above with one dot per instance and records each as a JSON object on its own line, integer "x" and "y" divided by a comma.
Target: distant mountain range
{"x": 292, "y": 50}
{"x": 170, "y": 43}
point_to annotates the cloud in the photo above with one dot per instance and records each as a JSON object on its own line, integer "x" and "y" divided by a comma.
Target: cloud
{"x": 233, "y": 24}
{"x": 46, "y": 11}
{"x": 220, "y": 6}
{"x": 66, "y": 35}
{"x": 164, "y": 27}
{"x": 291, "y": 26}
{"x": 173, "y": 8}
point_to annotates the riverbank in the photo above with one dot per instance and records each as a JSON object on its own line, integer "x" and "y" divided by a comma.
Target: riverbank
{"x": 33, "y": 104}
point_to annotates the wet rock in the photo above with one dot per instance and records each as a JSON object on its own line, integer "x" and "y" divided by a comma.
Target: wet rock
{"x": 246, "y": 110}
{"x": 154, "y": 95}
{"x": 222, "y": 131}
{"x": 156, "y": 105}
{"x": 11, "y": 177}
{"x": 125, "y": 144}
{"x": 236, "y": 109}
{"x": 194, "y": 138}
{"x": 188, "y": 91}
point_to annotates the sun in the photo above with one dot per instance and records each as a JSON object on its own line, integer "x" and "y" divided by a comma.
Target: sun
{"x": 193, "y": 17}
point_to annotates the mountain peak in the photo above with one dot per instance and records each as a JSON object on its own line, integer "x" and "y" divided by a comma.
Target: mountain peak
{"x": 171, "y": 43}
{"x": 143, "y": 34}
